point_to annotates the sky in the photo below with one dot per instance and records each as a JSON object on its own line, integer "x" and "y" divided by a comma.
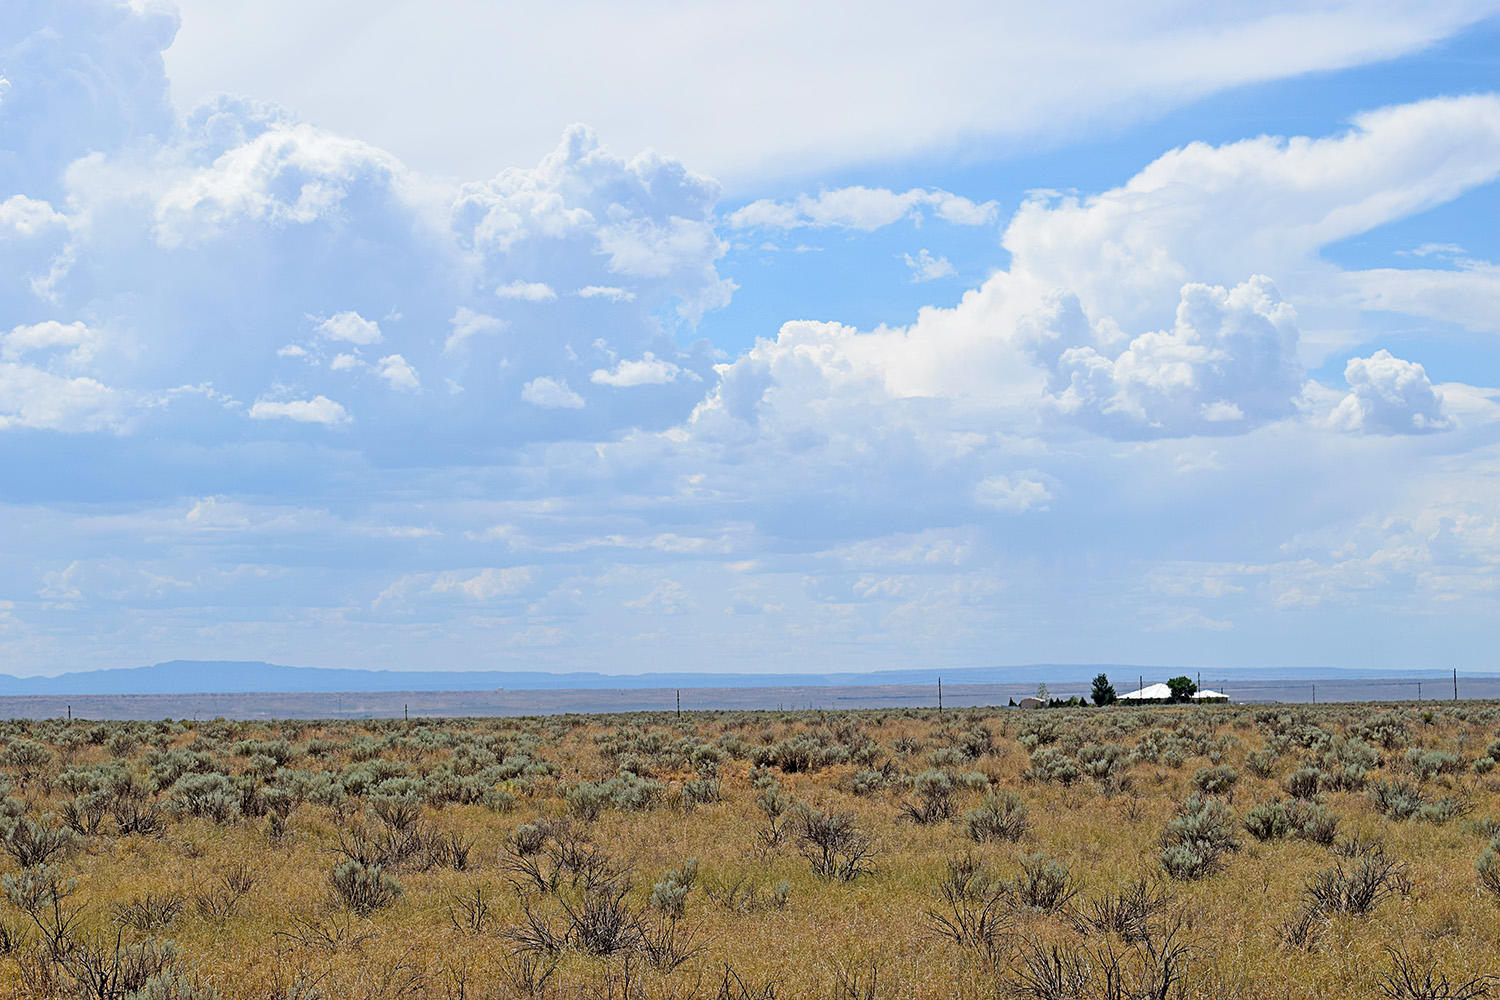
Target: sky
{"x": 726, "y": 337}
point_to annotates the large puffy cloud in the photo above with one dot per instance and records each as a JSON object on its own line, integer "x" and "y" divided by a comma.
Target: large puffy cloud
{"x": 1227, "y": 363}
{"x": 433, "y": 378}
{"x": 1220, "y": 213}
{"x": 78, "y": 77}
{"x": 275, "y": 251}
{"x": 1389, "y": 396}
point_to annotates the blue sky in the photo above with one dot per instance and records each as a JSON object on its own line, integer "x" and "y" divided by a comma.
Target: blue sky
{"x": 694, "y": 336}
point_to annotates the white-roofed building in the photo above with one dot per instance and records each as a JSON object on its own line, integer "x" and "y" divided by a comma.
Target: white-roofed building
{"x": 1151, "y": 692}
{"x": 1207, "y": 695}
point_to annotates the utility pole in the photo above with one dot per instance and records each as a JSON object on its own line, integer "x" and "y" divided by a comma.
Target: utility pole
{"x": 679, "y": 703}
{"x": 1455, "y": 683}
{"x": 1419, "y": 690}
{"x": 406, "y": 713}
{"x": 70, "y": 707}
{"x": 940, "y": 696}
{"x": 1315, "y": 692}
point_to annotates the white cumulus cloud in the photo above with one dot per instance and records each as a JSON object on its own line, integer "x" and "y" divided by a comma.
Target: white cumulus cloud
{"x": 318, "y": 410}
{"x": 350, "y": 327}
{"x": 526, "y": 291}
{"x": 1388, "y": 395}
{"x": 647, "y": 370}
{"x": 551, "y": 393}
{"x": 862, "y": 208}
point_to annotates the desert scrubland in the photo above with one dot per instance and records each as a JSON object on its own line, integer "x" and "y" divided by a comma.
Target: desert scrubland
{"x": 1196, "y": 851}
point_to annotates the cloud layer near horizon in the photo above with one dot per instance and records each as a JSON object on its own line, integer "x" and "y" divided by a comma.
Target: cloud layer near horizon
{"x": 267, "y": 392}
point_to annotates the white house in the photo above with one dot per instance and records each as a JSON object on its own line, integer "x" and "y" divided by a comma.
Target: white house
{"x": 1151, "y": 692}
{"x": 1160, "y": 692}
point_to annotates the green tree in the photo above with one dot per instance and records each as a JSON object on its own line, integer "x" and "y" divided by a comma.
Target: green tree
{"x": 1042, "y": 694}
{"x": 1104, "y": 691}
{"x": 1183, "y": 688}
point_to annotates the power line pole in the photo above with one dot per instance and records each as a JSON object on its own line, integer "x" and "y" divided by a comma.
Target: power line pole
{"x": 679, "y": 703}
{"x": 1455, "y": 683}
{"x": 940, "y": 696}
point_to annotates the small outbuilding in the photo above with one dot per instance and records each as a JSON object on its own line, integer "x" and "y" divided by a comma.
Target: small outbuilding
{"x": 1207, "y": 695}
{"x": 1030, "y": 702}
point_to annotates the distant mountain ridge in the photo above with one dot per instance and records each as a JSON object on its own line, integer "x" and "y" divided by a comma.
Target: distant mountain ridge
{"x": 255, "y": 677}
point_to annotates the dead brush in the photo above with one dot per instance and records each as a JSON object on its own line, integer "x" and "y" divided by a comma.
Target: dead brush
{"x": 835, "y": 847}
{"x": 1356, "y": 887}
{"x": 734, "y": 986}
{"x": 1043, "y": 884}
{"x": 1128, "y": 913}
{"x": 101, "y": 968}
{"x": 601, "y": 922}
{"x": 855, "y": 981}
{"x": 337, "y": 933}
{"x": 1303, "y": 930}
{"x": 528, "y": 973}
{"x": 221, "y": 900}
{"x": 1154, "y": 968}
{"x": 536, "y": 933}
{"x": 664, "y": 943}
{"x": 743, "y": 895}
{"x": 150, "y": 912}
{"x": 1410, "y": 978}
{"x": 975, "y": 911}
{"x": 470, "y": 913}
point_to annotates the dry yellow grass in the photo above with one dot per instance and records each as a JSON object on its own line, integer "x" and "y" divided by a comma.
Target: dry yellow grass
{"x": 291, "y": 932}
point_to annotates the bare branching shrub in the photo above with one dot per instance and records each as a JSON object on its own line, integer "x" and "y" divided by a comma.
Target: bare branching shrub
{"x": 1304, "y": 929}
{"x": 834, "y": 845}
{"x": 536, "y": 933}
{"x": 855, "y": 981}
{"x": 470, "y": 912}
{"x": 1356, "y": 887}
{"x": 1002, "y": 816}
{"x": 600, "y": 922}
{"x": 743, "y": 895}
{"x": 1130, "y": 913}
{"x": 1042, "y": 884}
{"x": 733, "y": 986}
{"x": 150, "y": 912}
{"x": 102, "y": 968}
{"x": 665, "y": 944}
{"x": 363, "y": 888}
{"x": 221, "y": 900}
{"x": 332, "y": 935}
{"x": 1411, "y": 978}
{"x": 1153, "y": 968}
{"x": 974, "y": 911}
{"x": 84, "y": 814}
{"x": 527, "y": 973}
{"x": 933, "y": 791}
